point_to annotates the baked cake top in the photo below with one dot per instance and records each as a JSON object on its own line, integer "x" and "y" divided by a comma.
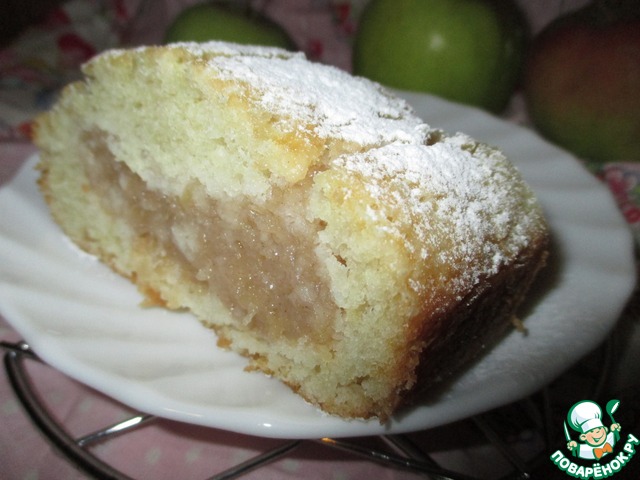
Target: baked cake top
{"x": 336, "y": 103}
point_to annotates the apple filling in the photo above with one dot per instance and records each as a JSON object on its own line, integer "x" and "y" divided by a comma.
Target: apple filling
{"x": 259, "y": 260}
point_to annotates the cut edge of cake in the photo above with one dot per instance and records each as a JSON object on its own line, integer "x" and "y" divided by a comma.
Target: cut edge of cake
{"x": 364, "y": 255}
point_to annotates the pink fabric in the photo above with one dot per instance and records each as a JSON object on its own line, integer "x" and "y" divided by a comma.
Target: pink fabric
{"x": 31, "y": 71}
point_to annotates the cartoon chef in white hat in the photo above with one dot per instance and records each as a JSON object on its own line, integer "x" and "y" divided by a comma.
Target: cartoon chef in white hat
{"x": 586, "y": 418}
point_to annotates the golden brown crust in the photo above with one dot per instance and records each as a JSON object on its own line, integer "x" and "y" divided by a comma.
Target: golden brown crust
{"x": 473, "y": 326}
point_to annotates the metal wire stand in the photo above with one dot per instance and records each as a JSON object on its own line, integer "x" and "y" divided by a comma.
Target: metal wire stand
{"x": 401, "y": 450}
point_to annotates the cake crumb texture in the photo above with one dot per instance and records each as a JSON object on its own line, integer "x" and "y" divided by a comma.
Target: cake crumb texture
{"x": 309, "y": 217}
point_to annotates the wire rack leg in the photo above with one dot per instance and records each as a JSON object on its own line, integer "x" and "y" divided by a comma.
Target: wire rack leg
{"x": 18, "y": 377}
{"x": 257, "y": 462}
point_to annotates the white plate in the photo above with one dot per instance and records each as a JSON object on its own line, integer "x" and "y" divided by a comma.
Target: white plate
{"x": 84, "y": 320}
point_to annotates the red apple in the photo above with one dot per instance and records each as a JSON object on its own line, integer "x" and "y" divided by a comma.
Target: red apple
{"x": 582, "y": 82}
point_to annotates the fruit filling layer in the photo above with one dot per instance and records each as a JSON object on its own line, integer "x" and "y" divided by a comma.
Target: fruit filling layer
{"x": 259, "y": 260}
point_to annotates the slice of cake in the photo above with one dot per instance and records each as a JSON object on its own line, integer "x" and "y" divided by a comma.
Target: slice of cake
{"x": 308, "y": 216}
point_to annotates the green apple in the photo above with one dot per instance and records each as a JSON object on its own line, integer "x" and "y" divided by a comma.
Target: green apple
{"x": 470, "y": 51}
{"x": 223, "y": 21}
{"x": 582, "y": 82}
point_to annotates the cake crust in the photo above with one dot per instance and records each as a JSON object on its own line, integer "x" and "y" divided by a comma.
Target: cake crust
{"x": 309, "y": 217}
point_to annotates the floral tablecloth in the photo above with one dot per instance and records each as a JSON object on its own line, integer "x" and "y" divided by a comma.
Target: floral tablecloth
{"x": 32, "y": 70}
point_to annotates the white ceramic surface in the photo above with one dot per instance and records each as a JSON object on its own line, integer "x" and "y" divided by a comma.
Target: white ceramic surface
{"x": 84, "y": 320}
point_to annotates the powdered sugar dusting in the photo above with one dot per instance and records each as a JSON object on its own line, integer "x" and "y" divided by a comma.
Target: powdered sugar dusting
{"x": 475, "y": 194}
{"x": 295, "y": 89}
